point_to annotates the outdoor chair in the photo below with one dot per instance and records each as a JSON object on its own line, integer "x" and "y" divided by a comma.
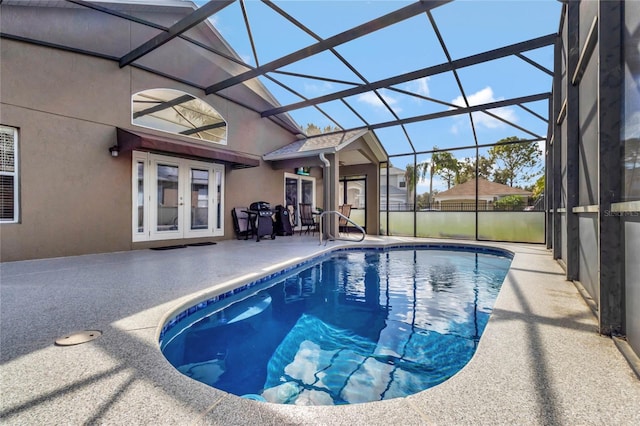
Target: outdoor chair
{"x": 307, "y": 219}
{"x": 241, "y": 224}
{"x": 343, "y": 224}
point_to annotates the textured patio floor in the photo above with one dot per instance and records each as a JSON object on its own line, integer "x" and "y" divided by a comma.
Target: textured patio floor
{"x": 540, "y": 359}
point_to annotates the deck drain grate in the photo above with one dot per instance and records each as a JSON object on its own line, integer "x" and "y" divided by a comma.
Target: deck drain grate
{"x": 78, "y": 337}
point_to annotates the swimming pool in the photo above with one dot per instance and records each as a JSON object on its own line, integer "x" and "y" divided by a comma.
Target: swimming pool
{"x": 351, "y": 326}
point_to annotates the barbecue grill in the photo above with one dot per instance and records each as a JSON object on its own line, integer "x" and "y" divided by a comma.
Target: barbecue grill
{"x": 262, "y": 219}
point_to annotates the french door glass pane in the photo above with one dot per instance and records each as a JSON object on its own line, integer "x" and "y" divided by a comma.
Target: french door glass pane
{"x": 291, "y": 189}
{"x": 291, "y": 197}
{"x": 167, "y": 181}
{"x": 199, "y": 199}
{"x": 140, "y": 203}
{"x": 307, "y": 191}
{"x": 218, "y": 200}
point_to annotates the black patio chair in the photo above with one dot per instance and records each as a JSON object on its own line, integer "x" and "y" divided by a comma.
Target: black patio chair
{"x": 307, "y": 219}
{"x": 241, "y": 223}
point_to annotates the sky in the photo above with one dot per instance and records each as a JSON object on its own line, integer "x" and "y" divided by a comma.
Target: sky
{"x": 468, "y": 27}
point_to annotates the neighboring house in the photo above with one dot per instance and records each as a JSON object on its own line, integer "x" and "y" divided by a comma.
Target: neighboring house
{"x": 463, "y": 196}
{"x": 399, "y": 197}
{"x": 103, "y": 152}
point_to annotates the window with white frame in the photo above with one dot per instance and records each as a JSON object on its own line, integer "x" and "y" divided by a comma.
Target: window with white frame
{"x": 176, "y": 198}
{"x": 8, "y": 174}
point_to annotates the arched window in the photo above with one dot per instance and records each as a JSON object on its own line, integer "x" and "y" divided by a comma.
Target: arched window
{"x": 180, "y": 113}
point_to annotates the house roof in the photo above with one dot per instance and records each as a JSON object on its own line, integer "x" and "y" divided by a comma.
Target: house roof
{"x": 328, "y": 144}
{"x": 393, "y": 191}
{"x": 485, "y": 188}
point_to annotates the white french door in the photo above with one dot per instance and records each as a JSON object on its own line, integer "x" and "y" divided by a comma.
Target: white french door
{"x": 176, "y": 198}
{"x": 299, "y": 189}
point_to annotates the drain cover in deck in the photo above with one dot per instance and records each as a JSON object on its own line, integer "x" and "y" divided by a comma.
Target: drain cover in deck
{"x": 78, "y": 337}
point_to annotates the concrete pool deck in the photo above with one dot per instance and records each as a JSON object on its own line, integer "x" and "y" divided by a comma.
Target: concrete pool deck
{"x": 539, "y": 361}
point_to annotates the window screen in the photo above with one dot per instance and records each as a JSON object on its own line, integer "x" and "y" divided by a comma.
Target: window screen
{"x": 8, "y": 177}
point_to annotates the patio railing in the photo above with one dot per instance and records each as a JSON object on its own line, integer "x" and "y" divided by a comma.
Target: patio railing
{"x": 340, "y": 215}
{"x": 461, "y": 207}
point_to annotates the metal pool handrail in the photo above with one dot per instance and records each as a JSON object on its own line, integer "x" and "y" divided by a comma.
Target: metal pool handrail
{"x": 340, "y": 215}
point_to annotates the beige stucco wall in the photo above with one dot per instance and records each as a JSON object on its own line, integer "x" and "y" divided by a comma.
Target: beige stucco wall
{"x": 71, "y": 192}
{"x": 74, "y": 197}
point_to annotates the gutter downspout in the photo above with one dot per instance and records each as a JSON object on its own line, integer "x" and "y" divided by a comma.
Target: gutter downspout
{"x": 327, "y": 191}
{"x": 326, "y": 162}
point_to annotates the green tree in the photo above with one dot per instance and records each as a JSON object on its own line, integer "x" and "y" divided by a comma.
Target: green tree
{"x": 312, "y": 129}
{"x": 510, "y": 202}
{"x": 443, "y": 164}
{"x": 538, "y": 188}
{"x": 413, "y": 175}
{"x": 515, "y": 162}
{"x": 422, "y": 201}
{"x": 447, "y": 167}
{"x": 411, "y": 180}
{"x": 467, "y": 169}
{"x": 501, "y": 176}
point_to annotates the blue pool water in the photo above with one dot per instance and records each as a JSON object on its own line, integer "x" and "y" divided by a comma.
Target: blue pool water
{"x": 353, "y": 326}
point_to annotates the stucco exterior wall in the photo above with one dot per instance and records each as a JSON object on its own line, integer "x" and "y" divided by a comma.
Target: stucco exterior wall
{"x": 74, "y": 197}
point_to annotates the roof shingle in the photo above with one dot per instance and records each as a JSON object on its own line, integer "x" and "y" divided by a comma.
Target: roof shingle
{"x": 485, "y": 187}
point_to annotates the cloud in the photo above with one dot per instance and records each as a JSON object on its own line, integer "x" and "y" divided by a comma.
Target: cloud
{"x": 482, "y": 97}
{"x": 419, "y": 86}
{"x": 372, "y": 99}
{"x": 485, "y": 96}
{"x": 318, "y": 89}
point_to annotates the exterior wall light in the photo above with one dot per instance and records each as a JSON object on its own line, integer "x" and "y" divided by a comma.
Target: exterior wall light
{"x": 114, "y": 150}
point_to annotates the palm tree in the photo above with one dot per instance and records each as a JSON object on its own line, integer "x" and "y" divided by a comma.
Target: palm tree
{"x": 413, "y": 175}
{"x": 442, "y": 163}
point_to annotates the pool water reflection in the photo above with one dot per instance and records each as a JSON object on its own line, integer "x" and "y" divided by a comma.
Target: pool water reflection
{"x": 350, "y": 327}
